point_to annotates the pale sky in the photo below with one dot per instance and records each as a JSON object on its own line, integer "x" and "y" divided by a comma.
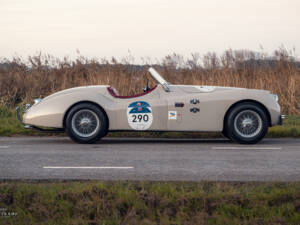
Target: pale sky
{"x": 152, "y": 28}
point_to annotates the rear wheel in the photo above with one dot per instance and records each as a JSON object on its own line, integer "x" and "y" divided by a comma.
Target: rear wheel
{"x": 86, "y": 123}
{"x": 247, "y": 123}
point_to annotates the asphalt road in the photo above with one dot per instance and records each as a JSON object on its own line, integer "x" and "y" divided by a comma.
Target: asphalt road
{"x": 149, "y": 159}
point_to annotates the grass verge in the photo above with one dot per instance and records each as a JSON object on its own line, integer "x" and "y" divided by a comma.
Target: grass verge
{"x": 10, "y": 126}
{"x": 149, "y": 203}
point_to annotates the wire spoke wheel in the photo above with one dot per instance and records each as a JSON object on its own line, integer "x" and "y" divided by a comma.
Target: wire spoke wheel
{"x": 248, "y": 123}
{"x": 85, "y": 123}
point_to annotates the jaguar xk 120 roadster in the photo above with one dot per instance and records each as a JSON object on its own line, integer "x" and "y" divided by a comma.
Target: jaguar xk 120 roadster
{"x": 88, "y": 113}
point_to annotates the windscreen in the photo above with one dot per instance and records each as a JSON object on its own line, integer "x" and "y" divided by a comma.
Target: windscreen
{"x": 157, "y": 77}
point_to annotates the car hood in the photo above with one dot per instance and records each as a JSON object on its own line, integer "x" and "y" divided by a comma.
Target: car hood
{"x": 208, "y": 89}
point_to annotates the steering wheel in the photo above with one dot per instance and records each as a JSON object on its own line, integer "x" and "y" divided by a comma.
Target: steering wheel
{"x": 146, "y": 88}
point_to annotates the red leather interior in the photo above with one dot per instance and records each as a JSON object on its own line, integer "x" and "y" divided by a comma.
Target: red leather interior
{"x": 111, "y": 91}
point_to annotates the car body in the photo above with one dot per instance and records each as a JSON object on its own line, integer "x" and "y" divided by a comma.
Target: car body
{"x": 165, "y": 107}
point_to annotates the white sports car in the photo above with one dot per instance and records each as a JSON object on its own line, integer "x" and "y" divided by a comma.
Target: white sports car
{"x": 88, "y": 113}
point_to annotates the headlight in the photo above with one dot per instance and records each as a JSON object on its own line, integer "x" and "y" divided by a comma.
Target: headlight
{"x": 275, "y": 97}
{"x": 37, "y": 101}
{"x": 26, "y": 107}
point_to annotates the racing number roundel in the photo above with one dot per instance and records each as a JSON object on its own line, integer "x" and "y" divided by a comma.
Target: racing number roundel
{"x": 139, "y": 115}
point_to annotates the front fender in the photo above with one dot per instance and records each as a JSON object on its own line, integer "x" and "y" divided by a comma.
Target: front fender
{"x": 262, "y": 97}
{"x": 50, "y": 112}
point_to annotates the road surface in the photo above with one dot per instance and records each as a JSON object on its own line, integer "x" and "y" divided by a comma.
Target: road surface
{"x": 35, "y": 158}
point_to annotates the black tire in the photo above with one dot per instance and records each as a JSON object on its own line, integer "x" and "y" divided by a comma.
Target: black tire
{"x": 224, "y": 133}
{"x": 94, "y": 116}
{"x": 258, "y": 123}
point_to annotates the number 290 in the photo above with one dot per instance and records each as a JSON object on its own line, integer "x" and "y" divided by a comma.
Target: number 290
{"x": 140, "y": 118}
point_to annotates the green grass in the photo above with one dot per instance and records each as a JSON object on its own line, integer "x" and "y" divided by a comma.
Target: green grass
{"x": 9, "y": 126}
{"x": 290, "y": 128}
{"x": 150, "y": 203}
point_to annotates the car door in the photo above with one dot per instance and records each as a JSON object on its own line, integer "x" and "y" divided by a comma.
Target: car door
{"x": 192, "y": 111}
{"x": 142, "y": 113}
{"x": 186, "y": 110}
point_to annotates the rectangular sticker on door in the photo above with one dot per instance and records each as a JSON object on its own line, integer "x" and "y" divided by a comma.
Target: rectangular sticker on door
{"x": 172, "y": 115}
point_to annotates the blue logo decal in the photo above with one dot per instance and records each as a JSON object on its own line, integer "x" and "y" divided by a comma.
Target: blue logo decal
{"x": 139, "y": 107}
{"x": 138, "y": 104}
{"x": 140, "y": 110}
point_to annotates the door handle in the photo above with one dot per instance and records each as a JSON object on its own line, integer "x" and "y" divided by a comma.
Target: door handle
{"x": 195, "y": 101}
{"x": 194, "y": 110}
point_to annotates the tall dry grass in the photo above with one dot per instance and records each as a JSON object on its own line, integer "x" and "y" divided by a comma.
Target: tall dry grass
{"x": 40, "y": 75}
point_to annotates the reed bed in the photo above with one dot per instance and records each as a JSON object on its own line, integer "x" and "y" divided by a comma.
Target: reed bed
{"x": 21, "y": 79}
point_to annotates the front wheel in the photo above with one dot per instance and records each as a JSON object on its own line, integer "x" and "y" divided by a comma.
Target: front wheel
{"x": 247, "y": 123}
{"x": 86, "y": 123}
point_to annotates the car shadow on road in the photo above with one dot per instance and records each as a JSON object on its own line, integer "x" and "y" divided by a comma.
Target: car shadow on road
{"x": 67, "y": 141}
{"x": 113, "y": 140}
{"x": 160, "y": 140}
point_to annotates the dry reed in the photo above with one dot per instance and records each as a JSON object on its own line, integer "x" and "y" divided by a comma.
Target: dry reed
{"x": 40, "y": 75}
